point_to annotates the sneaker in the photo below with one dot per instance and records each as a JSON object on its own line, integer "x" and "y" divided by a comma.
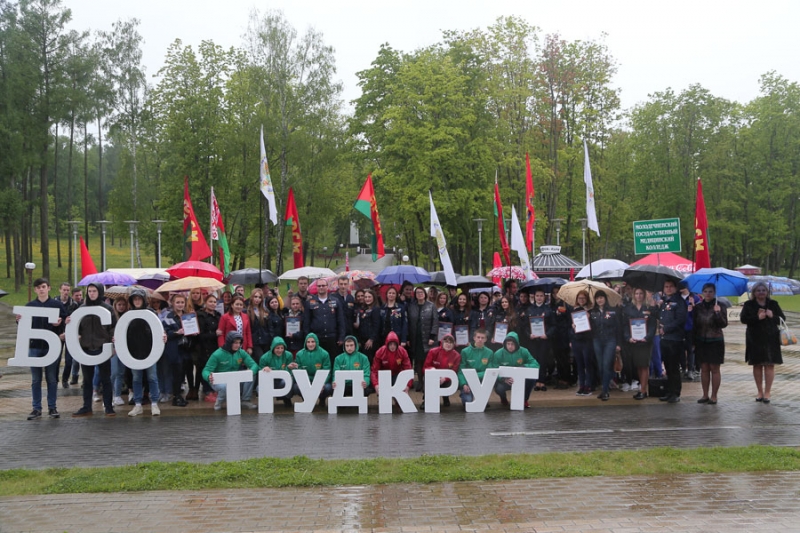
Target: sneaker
{"x": 218, "y": 404}
{"x": 626, "y": 387}
{"x": 249, "y": 405}
{"x": 177, "y": 401}
{"x": 65, "y": 384}
{"x": 527, "y": 405}
{"x": 136, "y": 411}
{"x": 118, "y": 400}
{"x": 635, "y": 385}
{"x": 53, "y": 413}
{"x": 154, "y": 409}
{"x": 603, "y": 396}
{"x": 83, "y": 411}
{"x": 35, "y": 414}
{"x": 211, "y": 397}
{"x": 131, "y": 400}
{"x": 163, "y": 398}
{"x": 96, "y": 396}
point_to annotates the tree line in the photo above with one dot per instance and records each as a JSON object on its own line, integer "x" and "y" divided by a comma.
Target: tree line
{"x": 87, "y": 136}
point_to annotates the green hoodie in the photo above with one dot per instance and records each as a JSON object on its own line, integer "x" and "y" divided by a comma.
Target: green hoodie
{"x": 478, "y": 359}
{"x": 353, "y": 361}
{"x": 224, "y": 361}
{"x": 311, "y": 361}
{"x": 276, "y": 362}
{"x": 519, "y": 357}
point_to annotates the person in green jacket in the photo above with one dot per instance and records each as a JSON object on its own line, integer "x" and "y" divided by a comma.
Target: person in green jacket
{"x": 476, "y": 356}
{"x": 312, "y": 358}
{"x": 277, "y": 358}
{"x": 230, "y": 358}
{"x": 512, "y": 354}
{"x": 352, "y": 359}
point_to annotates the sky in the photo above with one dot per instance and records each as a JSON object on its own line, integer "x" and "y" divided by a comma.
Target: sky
{"x": 725, "y": 46}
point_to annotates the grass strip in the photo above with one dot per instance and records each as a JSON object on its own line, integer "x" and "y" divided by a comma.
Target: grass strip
{"x": 305, "y": 472}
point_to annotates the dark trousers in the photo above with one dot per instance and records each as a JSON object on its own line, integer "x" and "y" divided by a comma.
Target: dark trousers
{"x": 330, "y": 346}
{"x": 672, "y": 353}
{"x": 105, "y": 381}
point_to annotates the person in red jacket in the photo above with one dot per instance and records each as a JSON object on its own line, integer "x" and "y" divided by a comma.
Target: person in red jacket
{"x": 390, "y": 356}
{"x": 443, "y": 357}
{"x": 236, "y": 320}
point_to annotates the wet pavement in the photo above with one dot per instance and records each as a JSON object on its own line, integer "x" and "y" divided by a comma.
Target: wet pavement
{"x": 558, "y": 421}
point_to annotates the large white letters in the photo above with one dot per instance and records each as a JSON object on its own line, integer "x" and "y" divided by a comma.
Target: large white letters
{"x": 231, "y": 380}
{"x": 340, "y": 378}
{"x": 71, "y": 335}
{"x": 433, "y": 387}
{"x": 481, "y": 391}
{"x": 267, "y": 391}
{"x": 519, "y": 374}
{"x": 26, "y": 333}
{"x": 121, "y": 339}
{"x": 309, "y": 390}
{"x": 388, "y": 392}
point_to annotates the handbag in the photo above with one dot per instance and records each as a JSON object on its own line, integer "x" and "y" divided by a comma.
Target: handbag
{"x": 787, "y": 337}
{"x": 618, "y": 362}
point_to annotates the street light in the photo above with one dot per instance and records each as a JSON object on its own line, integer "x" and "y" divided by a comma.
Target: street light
{"x": 158, "y": 229}
{"x": 103, "y": 224}
{"x": 30, "y": 267}
{"x": 74, "y": 224}
{"x": 480, "y": 243}
{"x": 399, "y": 256}
{"x": 132, "y": 227}
{"x": 583, "y": 222}
{"x": 557, "y": 222}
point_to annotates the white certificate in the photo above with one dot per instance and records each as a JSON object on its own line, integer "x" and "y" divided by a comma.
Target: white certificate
{"x": 445, "y": 328}
{"x": 292, "y": 325}
{"x": 190, "y": 326}
{"x": 537, "y": 326}
{"x": 500, "y": 332}
{"x": 580, "y": 319}
{"x": 462, "y": 335}
{"x": 638, "y": 329}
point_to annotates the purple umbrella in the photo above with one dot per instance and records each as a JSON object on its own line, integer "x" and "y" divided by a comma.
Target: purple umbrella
{"x": 108, "y": 278}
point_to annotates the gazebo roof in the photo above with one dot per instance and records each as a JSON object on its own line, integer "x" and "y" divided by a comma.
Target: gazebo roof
{"x": 550, "y": 259}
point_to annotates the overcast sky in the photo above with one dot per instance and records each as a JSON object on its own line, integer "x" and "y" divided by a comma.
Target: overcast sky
{"x": 723, "y": 45}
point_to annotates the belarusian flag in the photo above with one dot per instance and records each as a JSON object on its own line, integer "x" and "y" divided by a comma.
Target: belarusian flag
{"x": 368, "y": 206}
{"x": 218, "y": 234}
{"x": 195, "y": 244}
{"x": 293, "y": 221}
{"x": 501, "y": 224}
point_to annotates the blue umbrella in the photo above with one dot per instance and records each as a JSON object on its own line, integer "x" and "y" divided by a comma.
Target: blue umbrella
{"x": 778, "y": 285}
{"x": 108, "y": 278}
{"x": 398, "y": 274}
{"x": 546, "y": 284}
{"x": 728, "y": 282}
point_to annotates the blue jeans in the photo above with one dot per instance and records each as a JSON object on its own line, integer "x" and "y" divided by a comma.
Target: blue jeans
{"x": 152, "y": 380}
{"x": 466, "y": 397}
{"x": 70, "y": 366}
{"x": 581, "y": 352}
{"x": 117, "y": 375}
{"x": 246, "y": 390}
{"x": 165, "y": 375}
{"x": 604, "y": 352}
{"x": 50, "y": 375}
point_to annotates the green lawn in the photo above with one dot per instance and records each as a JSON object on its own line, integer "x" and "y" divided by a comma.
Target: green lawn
{"x": 789, "y": 303}
{"x": 305, "y": 472}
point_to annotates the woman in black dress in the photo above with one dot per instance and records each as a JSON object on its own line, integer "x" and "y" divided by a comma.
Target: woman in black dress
{"x": 762, "y": 315}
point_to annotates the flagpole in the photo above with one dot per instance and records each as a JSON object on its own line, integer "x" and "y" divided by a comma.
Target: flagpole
{"x": 211, "y": 225}
{"x": 260, "y": 230}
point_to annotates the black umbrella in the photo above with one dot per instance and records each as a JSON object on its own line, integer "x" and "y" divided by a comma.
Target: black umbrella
{"x": 545, "y": 284}
{"x": 3, "y": 293}
{"x": 251, "y": 276}
{"x": 473, "y": 282}
{"x": 437, "y": 278}
{"x": 650, "y": 277}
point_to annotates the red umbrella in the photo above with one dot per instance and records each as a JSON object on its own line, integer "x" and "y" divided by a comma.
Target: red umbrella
{"x": 667, "y": 259}
{"x": 195, "y": 268}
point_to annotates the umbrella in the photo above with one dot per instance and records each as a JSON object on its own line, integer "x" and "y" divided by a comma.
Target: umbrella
{"x": 667, "y": 259}
{"x": 650, "y": 277}
{"x": 600, "y": 266}
{"x": 107, "y": 278}
{"x": 728, "y": 282}
{"x": 778, "y": 285}
{"x": 3, "y": 293}
{"x": 506, "y": 272}
{"x": 492, "y": 290}
{"x": 154, "y": 280}
{"x": 362, "y": 279}
{"x": 611, "y": 275}
{"x": 197, "y": 269}
{"x": 333, "y": 285}
{"x": 117, "y": 291}
{"x": 569, "y": 291}
{"x": 400, "y": 273}
{"x": 437, "y": 278}
{"x": 192, "y": 282}
{"x": 546, "y": 284}
{"x": 251, "y": 276}
{"x": 309, "y": 272}
{"x": 472, "y": 282}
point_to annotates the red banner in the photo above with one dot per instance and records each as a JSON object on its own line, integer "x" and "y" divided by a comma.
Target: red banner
{"x": 501, "y": 224}
{"x": 293, "y": 220}
{"x": 87, "y": 265}
{"x": 195, "y": 244}
{"x": 702, "y": 258}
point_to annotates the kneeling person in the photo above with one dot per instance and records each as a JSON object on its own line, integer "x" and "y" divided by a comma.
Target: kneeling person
{"x": 352, "y": 359}
{"x": 230, "y": 358}
{"x": 277, "y": 358}
{"x": 512, "y": 354}
{"x": 443, "y": 357}
{"x": 476, "y": 356}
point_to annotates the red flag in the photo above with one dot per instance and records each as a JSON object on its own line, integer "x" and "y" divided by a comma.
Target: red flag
{"x": 293, "y": 220}
{"x": 702, "y": 258}
{"x": 501, "y": 224}
{"x": 529, "y": 194}
{"x": 87, "y": 265}
{"x": 367, "y": 205}
{"x": 195, "y": 244}
{"x": 496, "y": 263}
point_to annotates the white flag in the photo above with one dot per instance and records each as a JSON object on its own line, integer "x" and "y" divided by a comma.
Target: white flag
{"x": 266, "y": 183}
{"x": 444, "y": 257}
{"x": 518, "y": 244}
{"x": 591, "y": 214}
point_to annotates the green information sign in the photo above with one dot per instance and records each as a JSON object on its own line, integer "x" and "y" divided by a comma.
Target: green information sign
{"x": 655, "y": 236}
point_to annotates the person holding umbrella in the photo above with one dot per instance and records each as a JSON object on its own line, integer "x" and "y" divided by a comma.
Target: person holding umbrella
{"x": 762, "y": 315}
{"x": 672, "y": 318}
{"x": 709, "y": 343}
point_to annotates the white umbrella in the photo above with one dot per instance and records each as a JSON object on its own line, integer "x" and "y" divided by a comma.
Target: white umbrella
{"x": 601, "y": 265}
{"x": 309, "y": 272}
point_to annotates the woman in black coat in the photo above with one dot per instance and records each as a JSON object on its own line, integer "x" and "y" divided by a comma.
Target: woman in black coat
{"x": 762, "y": 315}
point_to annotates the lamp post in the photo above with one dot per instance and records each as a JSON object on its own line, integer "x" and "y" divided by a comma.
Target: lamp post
{"x": 399, "y": 256}
{"x": 480, "y": 244}
{"x": 74, "y": 224}
{"x": 557, "y": 222}
{"x": 583, "y": 222}
{"x": 158, "y": 230}
{"x": 132, "y": 227}
{"x": 30, "y": 267}
{"x": 103, "y": 224}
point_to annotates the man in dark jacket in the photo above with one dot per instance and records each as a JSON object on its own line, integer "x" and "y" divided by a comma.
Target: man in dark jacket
{"x": 93, "y": 335}
{"x": 69, "y": 306}
{"x": 140, "y": 340}
{"x": 672, "y": 318}
{"x": 324, "y": 316}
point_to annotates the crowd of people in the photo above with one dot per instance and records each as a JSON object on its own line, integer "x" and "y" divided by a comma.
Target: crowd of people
{"x": 650, "y": 339}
